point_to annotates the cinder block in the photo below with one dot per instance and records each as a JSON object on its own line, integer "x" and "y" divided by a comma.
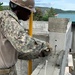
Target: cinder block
{"x": 58, "y": 24}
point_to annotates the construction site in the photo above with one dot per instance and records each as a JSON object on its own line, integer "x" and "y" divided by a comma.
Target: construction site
{"x": 60, "y": 33}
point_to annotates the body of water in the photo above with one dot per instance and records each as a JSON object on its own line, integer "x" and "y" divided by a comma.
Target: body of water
{"x": 71, "y": 16}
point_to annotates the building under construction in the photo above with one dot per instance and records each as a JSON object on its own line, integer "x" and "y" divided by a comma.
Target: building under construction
{"x": 59, "y": 32}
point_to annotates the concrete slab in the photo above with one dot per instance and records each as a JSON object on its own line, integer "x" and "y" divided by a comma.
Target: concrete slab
{"x": 48, "y": 68}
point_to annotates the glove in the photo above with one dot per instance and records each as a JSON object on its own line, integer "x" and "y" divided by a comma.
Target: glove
{"x": 45, "y": 51}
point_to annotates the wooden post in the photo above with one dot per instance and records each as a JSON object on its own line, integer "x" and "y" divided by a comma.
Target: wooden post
{"x": 30, "y": 33}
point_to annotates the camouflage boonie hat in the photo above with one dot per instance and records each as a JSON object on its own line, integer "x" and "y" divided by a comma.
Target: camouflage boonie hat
{"x": 28, "y": 4}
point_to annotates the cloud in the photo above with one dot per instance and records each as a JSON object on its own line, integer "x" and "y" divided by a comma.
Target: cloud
{"x": 61, "y": 4}
{"x": 43, "y": 4}
{"x": 5, "y": 2}
{"x": 64, "y": 4}
{"x": 42, "y": 1}
{"x": 70, "y": 6}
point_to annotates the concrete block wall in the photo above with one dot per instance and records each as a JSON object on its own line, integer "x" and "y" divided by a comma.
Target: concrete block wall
{"x": 38, "y": 26}
{"x": 57, "y": 41}
{"x": 68, "y": 42}
{"x": 22, "y": 66}
{"x": 58, "y": 25}
{"x": 57, "y": 31}
{"x": 60, "y": 37}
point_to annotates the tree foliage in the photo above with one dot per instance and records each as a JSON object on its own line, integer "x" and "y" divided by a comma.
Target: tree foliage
{"x": 1, "y": 8}
{"x": 6, "y": 8}
{"x": 38, "y": 14}
{"x": 51, "y": 12}
{"x": 44, "y": 14}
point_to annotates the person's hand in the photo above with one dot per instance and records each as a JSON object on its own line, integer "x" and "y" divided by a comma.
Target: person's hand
{"x": 45, "y": 51}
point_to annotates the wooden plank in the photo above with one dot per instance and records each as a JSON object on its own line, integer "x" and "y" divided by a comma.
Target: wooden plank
{"x": 66, "y": 70}
{"x": 70, "y": 60}
{"x": 70, "y": 63}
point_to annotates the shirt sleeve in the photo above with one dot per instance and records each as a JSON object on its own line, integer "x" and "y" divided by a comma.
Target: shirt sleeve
{"x": 17, "y": 36}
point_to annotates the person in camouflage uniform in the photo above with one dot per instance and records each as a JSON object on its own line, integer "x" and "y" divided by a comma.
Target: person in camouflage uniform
{"x": 14, "y": 40}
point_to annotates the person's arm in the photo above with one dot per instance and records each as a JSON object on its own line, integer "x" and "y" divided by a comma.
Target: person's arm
{"x": 40, "y": 51}
{"x": 20, "y": 40}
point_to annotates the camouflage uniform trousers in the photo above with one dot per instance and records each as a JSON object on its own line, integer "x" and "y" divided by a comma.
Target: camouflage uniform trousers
{"x": 12, "y": 71}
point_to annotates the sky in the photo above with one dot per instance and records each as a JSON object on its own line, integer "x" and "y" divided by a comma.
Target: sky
{"x": 60, "y": 4}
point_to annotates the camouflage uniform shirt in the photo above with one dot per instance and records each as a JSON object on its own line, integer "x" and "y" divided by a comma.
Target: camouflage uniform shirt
{"x": 16, "y": 40}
